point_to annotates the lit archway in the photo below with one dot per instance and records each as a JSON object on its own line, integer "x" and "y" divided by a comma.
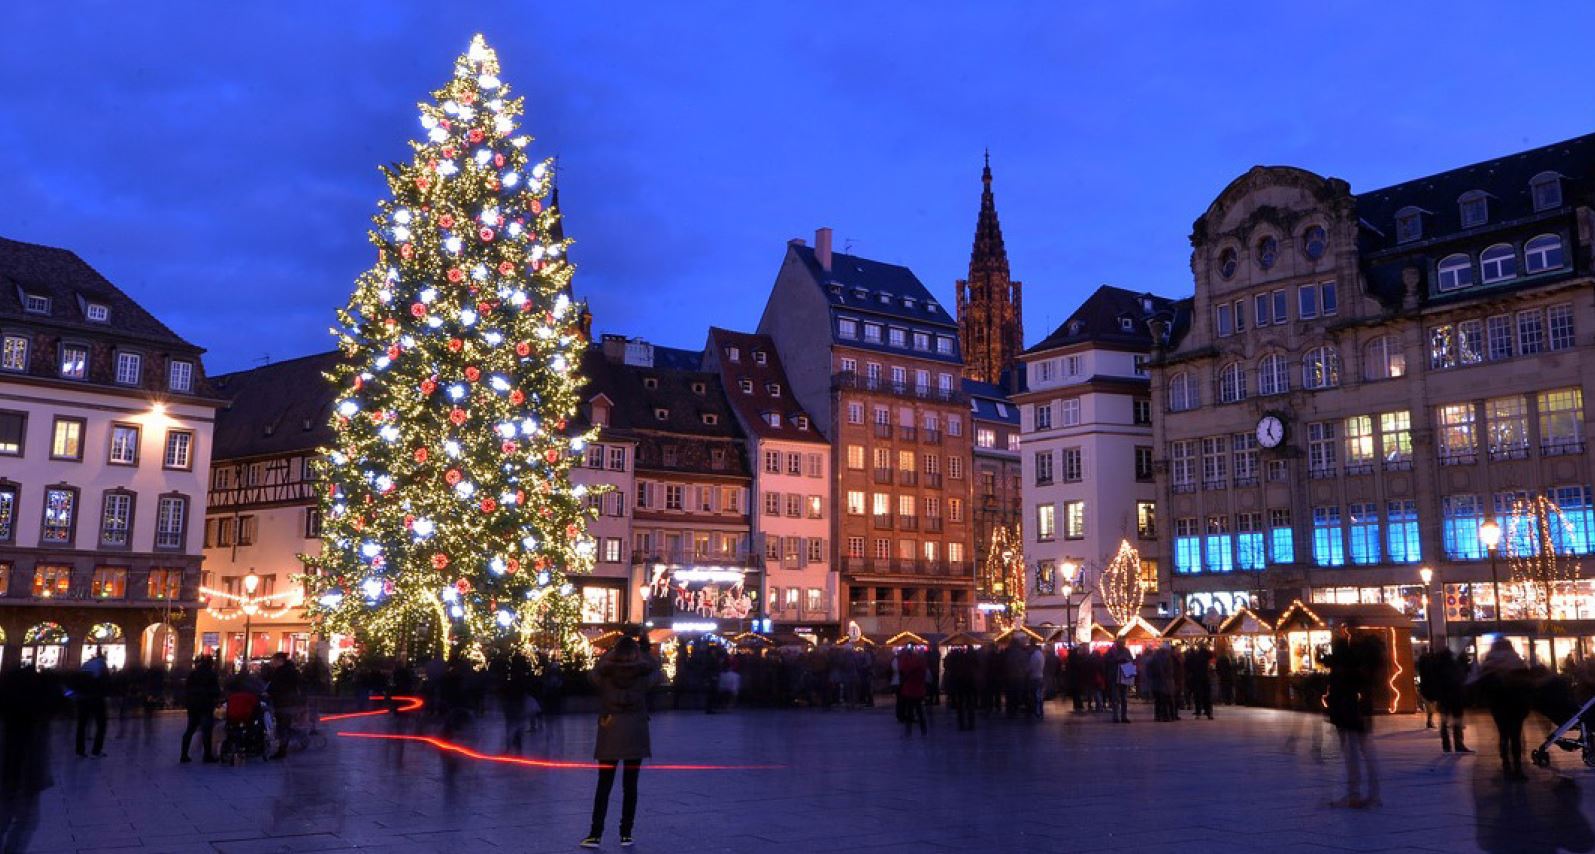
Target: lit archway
{"x": 158, "y": 646}
{"x": 106, "y": 638}
{"x": 44, "y": 646}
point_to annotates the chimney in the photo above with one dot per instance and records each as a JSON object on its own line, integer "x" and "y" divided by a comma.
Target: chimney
{"x": 822, "y": 248}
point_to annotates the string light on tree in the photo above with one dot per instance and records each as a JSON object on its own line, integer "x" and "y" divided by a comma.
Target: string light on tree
{"x": 446, "y": 491}
{"x": 1121, "y": 585}
{"x": 1540, "y": 544}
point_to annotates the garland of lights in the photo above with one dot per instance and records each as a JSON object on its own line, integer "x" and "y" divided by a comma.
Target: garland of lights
{"x": 1538, "y": 541}
{"x": 447, "y": 496}
{"x": 294, "y": 598}
{"x": 1121, "y": 585}
{"x": 1005, "y": 571}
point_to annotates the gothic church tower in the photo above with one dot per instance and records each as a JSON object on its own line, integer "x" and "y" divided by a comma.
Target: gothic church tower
{"x": 990, "y": 322}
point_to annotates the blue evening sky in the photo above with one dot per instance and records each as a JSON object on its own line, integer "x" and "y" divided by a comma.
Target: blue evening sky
{"x": 218, "y": 160}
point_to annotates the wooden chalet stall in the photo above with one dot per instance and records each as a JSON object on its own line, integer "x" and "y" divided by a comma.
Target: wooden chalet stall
{"x": 1141, "y": 635}
{"x": 1305, "y": 633}
{"x": 1185, "y": 631}
{"x": 1248, "y": 636}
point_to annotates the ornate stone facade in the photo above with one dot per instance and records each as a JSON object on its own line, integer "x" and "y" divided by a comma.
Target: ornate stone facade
{"x": 990, "y": 320}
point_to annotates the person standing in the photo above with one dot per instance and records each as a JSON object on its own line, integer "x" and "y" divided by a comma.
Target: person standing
{"x": 1119, "y": 671}
{"x": 1350, "y": 706}
{"x": 93, "y": 682}
{"x": 1198, "y": 682}
{"x": 962, "y": 685}
{"x": 286, "y": 699}
{"x": 1450, "y": 675}
{"x": 27, "y": 701}
{"x": 912, "y": 677}
{"x": 203, "y": 692}
{"x": 1504, "y": 680}
{"x": 623, "y": 677}
{"x": 1035, "y": 681}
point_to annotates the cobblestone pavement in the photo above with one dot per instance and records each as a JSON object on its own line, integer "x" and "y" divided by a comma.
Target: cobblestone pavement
{"x": 846, "y": 781}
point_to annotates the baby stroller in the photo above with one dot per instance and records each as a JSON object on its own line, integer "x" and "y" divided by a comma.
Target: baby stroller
{"x": 247, "y": 728}
{"x": 1557, "y": 699}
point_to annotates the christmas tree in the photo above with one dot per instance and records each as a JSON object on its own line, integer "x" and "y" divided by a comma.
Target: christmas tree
{"x": 449, "y": 513}
{"x": 1121, "y": 585}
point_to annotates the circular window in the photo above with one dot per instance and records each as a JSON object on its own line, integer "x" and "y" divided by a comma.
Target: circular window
{"x": 1314, "y": 242}
{"x": 1226, "y": 263}
{"x": 1267, "y": 252}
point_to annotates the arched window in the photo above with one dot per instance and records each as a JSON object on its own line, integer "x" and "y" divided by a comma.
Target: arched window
{"x": 1546, "y": 188}
{"x": 1226, "y": 263}
{"x": 1183, "y": 393}
{"x": 1232, "y": 383}
{"x": 1474, "y": 206}
{"x": 1543, "y": 253}
{"x": 1267, "y": 252}
{"x": 1456, "y": 271}
{"x": 1320, "y": 368}
{"x": 1498, "y": 263}
{"x": 1383, "y": 359}
{"x": 1273, "y": 375}
{"x": 1314, "y": 241}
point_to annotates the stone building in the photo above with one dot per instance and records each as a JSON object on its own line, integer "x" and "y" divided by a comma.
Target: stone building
{"x": 874, "y": 359}
{"x": 991, "y": 325}
{"x": 996, "y": 503}
{"x": 105, "y": 445}
{"x": 1362, "y": 381}
{"x": 1087, "y": 450}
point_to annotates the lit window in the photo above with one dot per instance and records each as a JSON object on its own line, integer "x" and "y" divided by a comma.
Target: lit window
{"x": 66, "y": 439}
{"x": 60, "y": 505}
{"x": 117, "y": 519}
{"x": 181, "y": 377}
{"x": 1329, "y": 547}
{"x": 1249, "y": 541}
{"x": 14, "y": 353}
{"x": 1395, "y": 438}
{"x": 129, "y": 368}
{"x": 1462, "y": 516}
{"x": 845, "y": 327}
{"x": 1281, "y": 537}
{"x": 1561, "y": 421}
{"x": 1187, "y": 547}
{"x": 1320, "y": 368}
{"x": 179, "y": 449}
{"x": 1402, "y": 532}
{"x": 97, "y": 313}
{"x": 1458, "y": 439}
{"x": 1359, "y": 443}
{"x": 13, "y": 429}
{"x": 1046, "y": 522}
{"x": 1506, "y": 427}
{"x": 124, "y": 444}
{"x": 1364, "y": 532}
{"x": 74, "y": 361}
{"x": 1383, "y": 358}
{"x": 1073, "y": 520}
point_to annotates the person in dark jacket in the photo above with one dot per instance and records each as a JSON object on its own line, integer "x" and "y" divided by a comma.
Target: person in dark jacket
{"x": 27, "y": 700}
{"x": 286, "y": 699}
{"x": 623, "y": 677}
{"x": 92, "y": 685}
{"x": 1198, "y": 681}
{"x": 912, "y": 680}
{"x": 1450, "y": 675}
{"x": 963, "y": 685}
{"x": 203, "y": 692}
{"x": 1353, "y": 672}
{"x": 1508, "y": 687}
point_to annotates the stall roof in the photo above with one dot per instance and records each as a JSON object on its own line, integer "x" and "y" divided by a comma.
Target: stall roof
{"x": 1141, "y": 628}
{"x": 1008, "y": 633}
{"x": 1100, "y": 632}
{"x": 967, "y": 639}
{"x": 1262, "y": 622}
{"x": 750, "y": 639}
{"x": 906, "y": 639}
{"x": 861, "y": 639}
{"x": 790, "y": 639}
{"x": 1328, "y": 614}
{"x": 1186, "y": 626}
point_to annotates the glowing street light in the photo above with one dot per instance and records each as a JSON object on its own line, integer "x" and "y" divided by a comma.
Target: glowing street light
{"x": 1490, "y": 535}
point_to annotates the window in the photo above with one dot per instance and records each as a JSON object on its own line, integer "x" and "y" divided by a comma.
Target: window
{"x": 1215, "y": 454}
{"x": 1457, "y": 436}
{"x": 772, "y": 503}
{"x": 1329, "y": 548}
{"x": 1227, "y": 263}
{"x": 921, "y": 341}
{"x": 1454, "y": 272}
{"x": 985, "y": 437}
{"x": 1073, "y": 466}
{"x": 1321, "y": 454}
{"x": 313, "y": 523}
{"x": 1267, "y": 252}
{"x": 13, "y": 431}
{"x": 1218, "y": 556}
{"x": 1071, "y": 412}
{"x": 1409, "y": 225}
{"x": 1043, "y": 416}
{"x": 1530, "y": 332}
{"x": 955, "y": 510}
{"x": 1281, "y": 312}
{"x": 1364, "y": 533}
{"x": 179, "y": 449}
{"x": 1498, "y": 330}
{"x": 1442, "y": 347}
{"x": 1187, "y": 547}
{"x": 1403, "y": 532}
{"x": 855, "y": 457}
{"x": 1314, "y": 241}
{"x": 1580, "y": 514}
{"x": 855, "y": 502}
{"x": 673, "y": 496}
{"x": 1543, "y": 253}
{"x": 1307, "y": 302}
{"x": 897, "y": 337}
{"x": 1146, "y": 519}
{"x": 117, "y": 519}
{"x": 74, "y": 361}
{"x": 955, "y": 468}
{"x": 1395, "y": 438}
{"x": 129, "y": 368}
{"x": 794, "y": 464}
{"x": 846, "y": 327}
{"x": 1046, "y": 371}
{"x": 955, "y": 426}
{"x": 1329, "y": 298}
{"x": 855, "y": 412}
{"x": 1273, "y": 375}
{"x": 1474, "y": 207}
{"x": 1359, "y": 444}
{"x": 944, "y": 345}
{"x": 1249, "y": 541}
{"x": 1506, "y": 427}
{"x": 1232, "y": 383}
{"x": 1278, "y": 471}
{"x": 1244, "y": 448}
{"x": 794, "y": 505}
{"x": 60, "y": 513}
{"x": 1560, "y": 321}
{"x": 1182, "y": 465}
{"x": 1143, "y": 463}
{"x": 1043, "y": 464}
{"x": 66, "y": 439}
{"x": 1320, "y": 368}
{"x": 1281, "y": 537}
{"x": 181, "y": 376}
{"x": 1046, "y": 522}
{"x": 1498, "y": 263}
{"x": 51, "y": 581}
{"x": 8, "y": 512}
{"x": 36, "y": 304}
{"x": 1561, "y": 421}
{"x": 109, "y": 582}
{"x": 1470, "y": 342}
{"x": 1462, "y": 515}
{"x": 13, "y": 353}
{"x": 164, "y": 584}
{"x": 1073, "y": 520}
{"x": 1141, "y": 410}
{"x": 1383, "y": 359}
{"x": 1260, "y": 310}
{"x": 1224, "y": 318}
{"x": 1183, "y": 393}
{"x": 1546, "y": 188}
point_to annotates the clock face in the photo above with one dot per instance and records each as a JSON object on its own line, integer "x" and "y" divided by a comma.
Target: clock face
{"x": 1270, "y": 431}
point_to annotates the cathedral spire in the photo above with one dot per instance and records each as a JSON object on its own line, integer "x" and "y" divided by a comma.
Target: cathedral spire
{"x": 990, "y": 322}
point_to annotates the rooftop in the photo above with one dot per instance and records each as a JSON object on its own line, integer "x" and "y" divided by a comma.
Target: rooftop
{"x": 70, "y": 286}
{"x": 1111, "y": 315}
{"x": 280, "y": 408}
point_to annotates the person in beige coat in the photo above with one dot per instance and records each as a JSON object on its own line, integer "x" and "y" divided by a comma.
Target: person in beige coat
{"x": 624, "y": 676}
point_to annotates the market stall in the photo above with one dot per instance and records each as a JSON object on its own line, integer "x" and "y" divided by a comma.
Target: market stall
{"x": 1305, "y": 633}
{"x": 973, "y": 640}
{"x": 1007, "y": 636}
{"x": 1248, "y": 636}
{"x": 1140, "y": 635}
{"x": 1185, "y": 631}
{"x": 902, "y": 639}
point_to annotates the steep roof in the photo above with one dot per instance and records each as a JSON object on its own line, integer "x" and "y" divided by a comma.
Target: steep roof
{"x": 1098, "y": 320}
{"x": 70, "y": 283}
{"x": 897, "y": 283}
{"x": 279, "y": 408}
{"x": 990, "y": 403}
{"x": 763, "y": 379}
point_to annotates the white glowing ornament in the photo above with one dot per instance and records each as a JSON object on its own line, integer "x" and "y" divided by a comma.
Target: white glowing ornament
{"x": 422, "y": 528}
{"x": 505, "y": 430}
{"x": 402, "y": 216}
{"x": 447, "y": 168}
{"x": 482, "y": 156}
{"x": 497, "y": 566}
{"x": 515, "y": 229}
{"x": 502, "y": 124}
{"x": 372, "y": 587}
{"x": 454, "y": 244}
{"x": 464, "y": 489}
{"x": 529, "y": 542}
{"x": 383, "y": 362}
{"x": 452, "y": 448}
{"x": 401, "y": 233}
{"x": 539, "y": 171}
{"x": 561, "y": 305}
{"x": 489, "y": 216}
{"x": 487, "y": 81}
{"x": 389, "y": 433}
{"x": 427, "y": 121}
{"x": 493, "y": 338}
{"x": 384, "y": 483}
{"x": 437, "y": 135}
{"x": 543, "y": 578}
{"x": 434, "y": 322}
{"x": 331, "y": 599}
{"x": 510, "y": 179}
{"x": 370, "y": 549}
{"x": 499, "y": 383}
{"x": 505, "y": 620}
{"x": 456, "y": 612}
{"x": 467, "y": 317}
{"x": 456, "y": 391}
{"x": 348, "y": 408}
{"x": 427, "y": 295}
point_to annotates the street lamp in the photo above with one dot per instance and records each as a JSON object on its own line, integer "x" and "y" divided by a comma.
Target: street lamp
{"x": 1490, "y": 535}
{"x": 249, "y": 605}
{"x": 1427, "y": 575}
{"x": 1070, "y": 569}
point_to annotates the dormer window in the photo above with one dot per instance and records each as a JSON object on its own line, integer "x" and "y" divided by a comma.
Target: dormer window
{"x": 886, "y": 298}
{"x": 897, "y": 337}
{"x": 944, "y": 345}
{"x": 908, "y": 303}
{"x": 733, "y": 354}
{"x": 36, "y": 304}
{"x": 773, "y": 388}
{"x": 97, "y": 312}
{"x": 847, "y": 327}
{"x": 746, "y": 385}
{"x": 600, "y": 415}
{"x": 773, "y": 419}
{"x": 931, "y": 306}
{"x": 1409, "y": 224}
{"x": 860, "y": 294}
{"x": 872, "y": 333}
{"x": 650, "y": 382}
{"x": 711, "y": 419}
{"x": 1475, "y": 208}
{"x": 699, "y": 389}
{"x": 1075, "y": 327}
{"x": 759, "y": 358}
{"x": 1546, "y": 188}
{"x": 802, "y": 422}
{"x": 661, "y": 414}
{"x": 1126, "y": 324}
{"x": 1267, "y": 252}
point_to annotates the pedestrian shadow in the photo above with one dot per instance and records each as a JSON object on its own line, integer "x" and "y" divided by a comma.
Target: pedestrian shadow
{"x": 1543, "y": 814}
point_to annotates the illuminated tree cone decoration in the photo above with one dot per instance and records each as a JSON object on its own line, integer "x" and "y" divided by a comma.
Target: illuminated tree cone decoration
{"x": 446, "y": 492}
{"x": 1539, "y": 542}
{"x": 1121, "y": 586}
{"x": 1005, "y": 570}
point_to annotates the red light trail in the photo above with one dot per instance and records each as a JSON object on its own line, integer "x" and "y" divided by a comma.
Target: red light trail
{"x": 410, "y": 704}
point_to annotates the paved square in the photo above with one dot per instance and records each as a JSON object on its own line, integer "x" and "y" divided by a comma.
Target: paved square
{"x": 847, "y": 781}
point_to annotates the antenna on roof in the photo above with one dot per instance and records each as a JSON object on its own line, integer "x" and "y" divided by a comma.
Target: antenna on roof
{"x": 847, "y": 246}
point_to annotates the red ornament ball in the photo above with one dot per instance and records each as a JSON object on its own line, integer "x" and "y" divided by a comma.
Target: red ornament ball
{"x": 505, "y": 268}
{"x": 406, "y": 251}
{"x": 418, "y": 310}
{"x": 489, "y": 505}
{"x": 536, "y": 206}
{"x": 523, "y": 349}
{"x": 428, "y": 386}
{"x": 455, "y": 345}
{"x": 452, "y": 476}
{"x": 508, "y": 447}
{"x": 393, "y": 351}
{"x": 446, "y": 221}
{"x": 552, "y": 456}
{"x": 517, "y": 397}
{"x": 472, "y": 374}
{"x": 486, "y": 234}
{"x": 449, "y": 151}
{"x": 475, "y": 135}
{"x": 421, "y": 183}
{"x": 498, "y": 160}
{"x": 456, "y": 274}
{"x": 457, "y": 416}
{"x": 421, "y": 455}
{"x": 440, "y": 561}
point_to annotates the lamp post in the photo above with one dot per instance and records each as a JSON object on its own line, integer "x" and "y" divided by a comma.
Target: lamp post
{"x": 1070, "y": 571}
{"x": 249, "y": 606}
{"x": 1490, "y": 535}
{"x": 1427, "y": 575}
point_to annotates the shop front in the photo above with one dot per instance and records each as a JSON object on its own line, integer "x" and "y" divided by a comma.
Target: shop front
{"x": 695, "y": 599}
{"x": 1557, "y": 637}
{"x": 1304, "y": 636}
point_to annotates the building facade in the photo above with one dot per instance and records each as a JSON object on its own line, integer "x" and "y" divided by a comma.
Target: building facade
{"x": 791, "y": 501}
{"x": 991, "y": 325}
{"x": 1362, "y": 381}
{"x": 105, "y": 443}
{"x": 996, "y": 503}
{"x": 612, "y": 595}
{"x": 1087, "y": 446}
{"x": 262, "y": 512}
{"x": 874, "y": 359}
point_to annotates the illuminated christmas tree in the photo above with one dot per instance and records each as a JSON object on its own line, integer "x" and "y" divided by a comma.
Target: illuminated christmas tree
{"x": 1539, "y": 541}
{"x": 449, "y": 512}
{"x": 1121, "y": 585}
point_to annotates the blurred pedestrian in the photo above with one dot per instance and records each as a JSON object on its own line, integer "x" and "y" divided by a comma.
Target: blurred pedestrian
{"x": 1505, "y": 682}
{"x": 1035, "y": 683}
{"x": 911, "y": 686}
{"x": 1198, "y": 680}
{"x": 1120, "y": 672}
{"x": 92, "y": 684}
{"x": 202, "y": 693}
{"x": 287, "y": 699}
{"x": 27, "y": 700}
{"x": 623, "y": 678}
{"x": 1352, "y": 676}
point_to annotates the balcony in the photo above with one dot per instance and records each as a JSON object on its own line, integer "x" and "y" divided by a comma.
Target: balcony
{"x": 907, "y": 523}
{"x": 1355, "y": 469}
{"x": 932, "y": 437}
{"x": 908, "y": 478}
{"x": 853, "y": 381}
{"x": 1322, "y": 473}
{"x": 1561, "y": 447}
{"x": 1399, "y": 464}
{"x": 883, "y": 431}
{"x": 933, "y": 479}
{"x": 907, "y": 434}
{"x": 908, "y": 567}
{"x": 1183, "y": 488}
{"x": 1211, "y": 485}
{"x": 687, "y": 557}
{"x": 1241, "y": 482}
{"x": 1512, "y": 452}
{"x": 883, "y": 475}
{"x": 1458, "y": 458}
{"x": 933, "y": 524}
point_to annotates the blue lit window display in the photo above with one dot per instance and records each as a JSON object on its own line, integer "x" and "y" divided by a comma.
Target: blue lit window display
{"x": 1364, "y": 534}
{"x": 1187, "y": 547}
{"x": 1220, "y": 557}
{"x": 1403, "y": 532}
{"x": 1329, "y": 546}
{"x": 1579, "y": 535}
{"x": 1281, "y": 537}
{"x": 1459, "y": 528}
{"x": 1249, "y": 542}
{"x": 1515, "y": 513}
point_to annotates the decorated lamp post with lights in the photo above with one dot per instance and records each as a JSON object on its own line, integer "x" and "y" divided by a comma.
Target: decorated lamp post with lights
{"x": 1426, "y": 575}
{"x": 271, "y": 606}
{"x": 1490, "y": 535}
{"x": 1066, "y": 586}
